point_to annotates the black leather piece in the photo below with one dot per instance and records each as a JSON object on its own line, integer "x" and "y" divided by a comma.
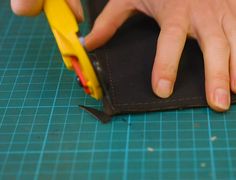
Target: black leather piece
{"x": 124, "y": 67}
{"x": 104, "y": 118}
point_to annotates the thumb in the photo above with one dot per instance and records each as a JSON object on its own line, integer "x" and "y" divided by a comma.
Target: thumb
{"x": 34, "y": 7}
{"x": 112, "y": 17}
{"x": 26, "y": 7}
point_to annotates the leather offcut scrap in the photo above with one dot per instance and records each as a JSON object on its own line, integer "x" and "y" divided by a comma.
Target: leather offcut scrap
{"x": 124, "y": 67}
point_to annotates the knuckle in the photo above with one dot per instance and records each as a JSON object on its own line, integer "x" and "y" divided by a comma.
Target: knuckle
{"x": 229, "y": 25}
{"x": 220, "y": 77}
{"x": 222, "y": 44}
{"x": 219, "y": 43}
{"x": 174, "y": 28}
{"x": 232, "y": 34}
{"x": 100, "y": 25}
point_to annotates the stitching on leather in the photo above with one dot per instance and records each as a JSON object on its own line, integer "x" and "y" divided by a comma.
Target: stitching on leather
{"x": 151, "y": 109}
{"x": 163, "y": 102}
{"x": 114, "y": 98}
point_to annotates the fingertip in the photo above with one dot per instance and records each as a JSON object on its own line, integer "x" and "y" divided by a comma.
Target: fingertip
{"x": 77, "y": 9}
{"x": 26, "y": 7}
{"x": 98, "y": 36}
{"x": 219, "y": 100}
{"x": 163, "y": 88}
{"x": 89, "y": 43}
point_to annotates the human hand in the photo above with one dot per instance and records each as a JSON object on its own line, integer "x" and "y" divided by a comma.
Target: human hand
{"x": 34, "y": 7}
{"x": 211, "y": 22}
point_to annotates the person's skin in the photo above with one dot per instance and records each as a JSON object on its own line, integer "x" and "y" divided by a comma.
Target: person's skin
{"x": 211, "y": 22}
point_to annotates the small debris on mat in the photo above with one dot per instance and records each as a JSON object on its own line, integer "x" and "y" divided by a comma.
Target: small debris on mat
{"x": 203, "y": 164}
{"x": 124, "y": 120}
{"x": 213, "y": 138}
{"x": 197, "y": 125}
{"x": 150, "y": 149}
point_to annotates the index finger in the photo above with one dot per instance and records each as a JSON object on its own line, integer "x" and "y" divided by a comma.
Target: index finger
{"x": 108, "y": 22}
{"x": 34, "y": 7}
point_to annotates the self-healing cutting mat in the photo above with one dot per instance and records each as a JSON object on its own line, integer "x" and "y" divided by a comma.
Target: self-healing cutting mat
{"x": 44, "y": 135}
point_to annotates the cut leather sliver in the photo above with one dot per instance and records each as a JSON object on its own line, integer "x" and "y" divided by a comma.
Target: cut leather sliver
{"x": 124, "y": 67}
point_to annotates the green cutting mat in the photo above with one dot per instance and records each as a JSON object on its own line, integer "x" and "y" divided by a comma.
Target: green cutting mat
{"x": 44, "y": 135}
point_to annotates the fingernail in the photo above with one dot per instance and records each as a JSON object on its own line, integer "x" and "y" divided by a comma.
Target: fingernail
{"x": 222, "y": 98}
{"x": 164, "y": 88}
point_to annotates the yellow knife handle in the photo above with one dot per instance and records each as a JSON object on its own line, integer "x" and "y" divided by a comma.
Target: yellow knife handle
{"x": 65, "y": 29}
